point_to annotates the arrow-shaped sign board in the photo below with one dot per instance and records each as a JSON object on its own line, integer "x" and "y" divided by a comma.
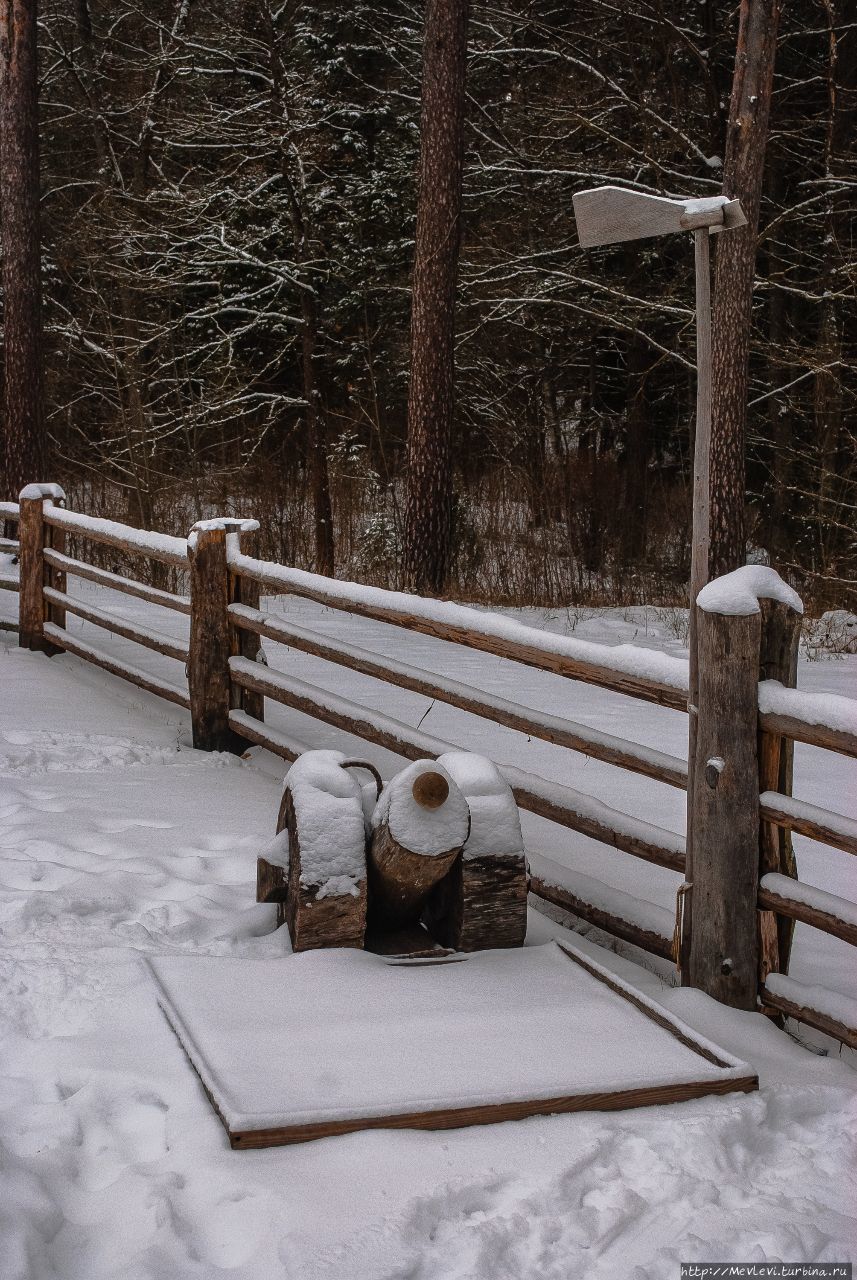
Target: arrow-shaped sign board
{"x": 609, "y": 215}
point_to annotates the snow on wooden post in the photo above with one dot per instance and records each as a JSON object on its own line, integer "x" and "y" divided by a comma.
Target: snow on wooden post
{"x": 33, "y": 535}
{"x": 420, "y": 825}
{"x": 724, "y": 809}
{"x": 781, "y": 623}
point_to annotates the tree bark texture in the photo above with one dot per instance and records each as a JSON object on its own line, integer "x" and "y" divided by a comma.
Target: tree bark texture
{"x": 25, "y": 459}
{"x": 438, "y": 237}
{"x": 746, "y": 139}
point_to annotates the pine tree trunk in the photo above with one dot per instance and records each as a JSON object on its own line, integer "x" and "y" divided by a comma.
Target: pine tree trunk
{"x": 746, "y": 139}
{"x": 438, "y": 236}
{"x": 23, "y": 408}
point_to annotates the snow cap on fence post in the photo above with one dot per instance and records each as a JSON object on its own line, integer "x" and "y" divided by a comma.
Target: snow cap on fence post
{"x": 31, "y": 537}
{"x": 210, "y": 644}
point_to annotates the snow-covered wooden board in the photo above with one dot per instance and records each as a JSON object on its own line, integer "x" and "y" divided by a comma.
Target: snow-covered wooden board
{"x": 333, "y": 1041}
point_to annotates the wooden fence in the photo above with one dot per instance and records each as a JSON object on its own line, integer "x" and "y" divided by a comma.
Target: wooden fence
{"x": 741, "y": 884}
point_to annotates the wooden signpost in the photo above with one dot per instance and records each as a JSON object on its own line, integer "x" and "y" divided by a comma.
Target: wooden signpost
{"x": 612, "y": 215}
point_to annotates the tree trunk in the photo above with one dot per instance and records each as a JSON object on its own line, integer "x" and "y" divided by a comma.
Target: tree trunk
{"x": 746, "y": 138}
{"x": 438, "y": 235}
{"x": 23, "y": 407}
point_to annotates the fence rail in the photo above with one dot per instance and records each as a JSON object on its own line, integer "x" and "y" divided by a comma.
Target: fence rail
{"x": 740, "y": 808}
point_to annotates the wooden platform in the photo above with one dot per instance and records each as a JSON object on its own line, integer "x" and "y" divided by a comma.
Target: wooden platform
{"x": 329, "y": 1042}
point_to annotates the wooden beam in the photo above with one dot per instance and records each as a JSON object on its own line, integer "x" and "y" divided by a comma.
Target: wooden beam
{"x": 654, "y": 943}
{"x": 154, "y": 640}
{"x": 531, "y": 654}
{"x": 815, "y": 735}
{"x": 137, "y": 542}
{"x": 121, "y": 669}
{"x": 550, "y": 800}
{"x": 812, "y": 1017}
{"x": 565, "y": 733}
{"x": 794, "y": 909}
{"x": 808, "y": 820}
{"x": 115, "y": 582}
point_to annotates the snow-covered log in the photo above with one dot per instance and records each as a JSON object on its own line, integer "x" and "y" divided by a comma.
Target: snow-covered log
{"x": 482, "y": 902}
{"x": 419, "y": 827}
{"x": 321, "y": 848}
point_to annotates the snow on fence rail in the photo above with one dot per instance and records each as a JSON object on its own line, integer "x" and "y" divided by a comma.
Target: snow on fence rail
{"x": 740, "y": 808}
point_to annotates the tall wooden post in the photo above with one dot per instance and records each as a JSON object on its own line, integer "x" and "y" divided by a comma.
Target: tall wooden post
{"x": 724, "y": 945}
{"x": 699, "y": 544}
{"x": 33, "y": 536}
{"x": 208, "y": 657}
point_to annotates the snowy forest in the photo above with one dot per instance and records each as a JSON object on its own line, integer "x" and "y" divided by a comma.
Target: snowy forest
{"x": 228, "y": 217}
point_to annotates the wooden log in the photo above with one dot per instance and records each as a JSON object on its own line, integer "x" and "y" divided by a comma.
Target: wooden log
{"x": 400, "y": 876}
{"x": 724, "y": 944}
{"x": 115, "y": 582}
{"x": 550, "y": 800}
{"x": 272, "y": 882}
{"x": 316, "y": 919}
{"x": 31, "y": 602}
{"x": 208, "y": 660}
{"x": 793, "y": 909}
{"x": 813, "y": 734}
{"x": 809, "y": 820}
{"x": 482, "y": 901}
{"x": 777, "y": 661}
{"x": 549, "y": 728}
{"x": 645, "y": 939}
{"x": 812, "y": 1017}
{"x": 117, "y": 626}
{"x": 157, "y": 547}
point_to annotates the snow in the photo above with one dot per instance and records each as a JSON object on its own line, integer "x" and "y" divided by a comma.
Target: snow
{"x": 356, "y": 1035}
{"x": 328, "y": 807}
{"x": 810, "y": 896}
{"x": 228, "y": 523}
{"x": 706, "y": 204}
{"x": 9, "y": 509}
{"x": 113, "y": 1165}
{"x": 430, "y": 832}
{"x": 30, "y": 491}
{"x": 495, "y": 825}
{"x": 828, "y": 709}
{"x": 737, "y": 594}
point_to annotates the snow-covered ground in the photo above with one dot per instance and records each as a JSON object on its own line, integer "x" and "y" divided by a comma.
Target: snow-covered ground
{"x": 118, "y": 841}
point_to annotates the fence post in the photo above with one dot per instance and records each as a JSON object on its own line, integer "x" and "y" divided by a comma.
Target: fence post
{"x": 208, "y": 650}
{"x": 724, "y": 946}
{"x": 777, "y": 661}
{"x": 246, "y": 644}
{"x": 33, "y": 536}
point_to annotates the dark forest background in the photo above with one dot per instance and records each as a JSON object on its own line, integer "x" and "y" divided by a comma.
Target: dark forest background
{"x": 209, "y": 168}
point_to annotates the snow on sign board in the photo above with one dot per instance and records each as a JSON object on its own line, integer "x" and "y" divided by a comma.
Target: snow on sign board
{"x": 346, "y": 1040}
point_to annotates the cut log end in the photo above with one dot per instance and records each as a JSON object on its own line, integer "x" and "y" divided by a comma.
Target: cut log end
{"x": 430, "y": 790}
